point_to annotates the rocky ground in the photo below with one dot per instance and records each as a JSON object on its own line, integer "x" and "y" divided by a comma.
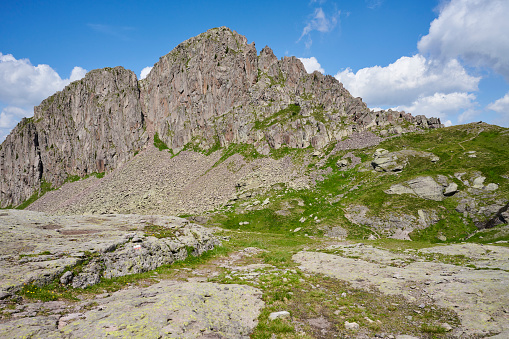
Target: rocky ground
{"x": 154, "y": 182}
{"x": 328, "y": 289}
{"x": 471, "y": 279}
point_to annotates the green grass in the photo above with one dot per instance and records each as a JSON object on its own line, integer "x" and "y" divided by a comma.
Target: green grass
{"x": 289, "y": 113}
{"x": 45, "y": 187}
{"x": 74, "y": 178}
{"x": 159, "y": 144}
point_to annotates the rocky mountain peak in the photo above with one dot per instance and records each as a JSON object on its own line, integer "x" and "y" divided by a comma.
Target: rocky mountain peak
{"x": 210, "y": 91}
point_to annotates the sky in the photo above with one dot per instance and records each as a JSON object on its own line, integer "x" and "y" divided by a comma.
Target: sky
{"x": 441, "y": 58}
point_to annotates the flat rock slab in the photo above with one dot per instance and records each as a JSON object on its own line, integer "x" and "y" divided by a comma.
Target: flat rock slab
{"x": 169, "y": 309}
{"x": 37, "y": 248}
{"x": 480, "y": 297}
{"x": 485, "y": 256}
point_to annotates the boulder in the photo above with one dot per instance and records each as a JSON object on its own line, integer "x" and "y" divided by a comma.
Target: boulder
{"x": 342, "y": 163}
{"x": 478, "y": 182}
{"x": 279, "y": 315}
{"x": 451, "y": 189}
{"x": 423, "y": 187}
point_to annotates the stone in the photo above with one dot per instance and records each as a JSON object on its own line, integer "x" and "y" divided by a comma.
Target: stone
{"x": 451, "y": 189}
{"x": 476, "y": 296}
{"x": 446, "y": 326}
{"x": 66, "y": 278}
{"x": 166, "y": 309}
{"x": 351, "y": 326}
{"x": 342, "y": 163}
{"x": 423, "y": 187}
{"x": 80, "y": 234}
{"x": 491, "y": 187}
{"x": 279, "y": 315}
{"x": 478, "y": 182}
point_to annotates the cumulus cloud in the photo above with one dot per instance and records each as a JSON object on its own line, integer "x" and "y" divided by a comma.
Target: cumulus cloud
{"x": 77, "y": 73}
{"x": 474, "y": 30}
{"x": 501, "y": 106}
{"x": 22, "y": 84}
{"x": 441, "y": 105}
{"x": 311, "y": 65}
{"x": 9, "y": 117}
{"x": 406, "y": 80}
{"x": 319, "y": 22}
{"x": 145, "y": 72}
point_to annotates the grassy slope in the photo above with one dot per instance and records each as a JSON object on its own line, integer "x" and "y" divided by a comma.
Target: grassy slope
{"x": 491, "y": 144}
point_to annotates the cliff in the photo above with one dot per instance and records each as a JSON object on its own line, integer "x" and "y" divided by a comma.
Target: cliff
{"x": 210, "y": 91}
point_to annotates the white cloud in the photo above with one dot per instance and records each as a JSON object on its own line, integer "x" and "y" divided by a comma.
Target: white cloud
{"x": 441, "y": 105}
{"x": 448, "y": 123}
{"x": 8, "y": 120}
{"x": 311, "y": 65}
{"x": 474, "y": 30}
{"x": 145, "y": 72}
{"x": 374, "y": 4}
{"x": 319, "y": 22}
{"x": 468, "y": 115}
{"x": 406, "y": 80}
{"x": 77, "y": 73}
{"x": 9, "y": 117}
{"x": 501, "y": 105}
{"x": 24, "y": 85}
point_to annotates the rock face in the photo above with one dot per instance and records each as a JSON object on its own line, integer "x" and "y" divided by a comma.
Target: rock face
{"x": 93, "y": 125}
{"x": 210, "y": 91}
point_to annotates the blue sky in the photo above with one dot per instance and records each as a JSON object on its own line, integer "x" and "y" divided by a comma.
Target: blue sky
{"x": 439, "y": 58}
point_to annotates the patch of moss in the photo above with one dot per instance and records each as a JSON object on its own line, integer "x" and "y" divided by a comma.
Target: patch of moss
{"x": 159, "y": 144}
{"x": 44, "y": 188}
{"x": 289, "y": 113}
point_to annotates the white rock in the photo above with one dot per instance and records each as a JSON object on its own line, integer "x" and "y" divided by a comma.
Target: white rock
{"x": 279, "y": 315}
{"x": 491, "y": 187}
{"x": 351, "y": 326}
{"x": 478, "y": 182}
{"x": 451, "y": 189}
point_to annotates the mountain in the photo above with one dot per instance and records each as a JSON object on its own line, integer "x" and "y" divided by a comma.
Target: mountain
{"x": 230, "y": 194}
{"x": 221, "y": 134}
{"x": 209, "y": 92}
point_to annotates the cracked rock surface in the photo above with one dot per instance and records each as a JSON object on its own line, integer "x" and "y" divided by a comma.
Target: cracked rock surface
{"x": 169, "y": 309}
{"x": 479, "y": 297}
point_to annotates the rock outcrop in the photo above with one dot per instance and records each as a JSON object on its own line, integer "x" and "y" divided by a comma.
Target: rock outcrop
{"x": 93, "y": 125}
{"x": 38, "y": 248}
{"x": 210, "y": 91}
